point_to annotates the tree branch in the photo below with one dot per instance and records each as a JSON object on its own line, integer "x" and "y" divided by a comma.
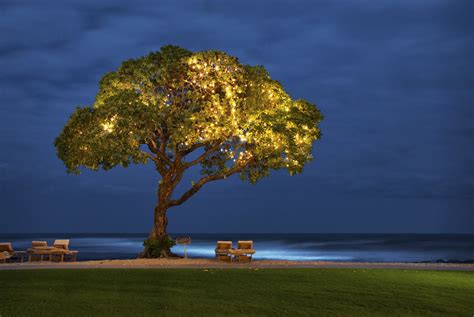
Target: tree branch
{"x": 153, "y": 146}
{"x": 203, "y": 155}
{"x": 160, "y": 166}
{"x": 160, "y": 151}
{"x": 164, "y": 139}
{"x": 196, "y": 187}
{"x": 151, "y": 157}
{"x": 192, "y": 148}
{"x": 164, "y": 158}
{"x": 161, "y": 160}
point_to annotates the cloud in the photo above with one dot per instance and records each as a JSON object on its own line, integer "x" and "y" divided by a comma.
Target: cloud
{"x": 392, "y": 78}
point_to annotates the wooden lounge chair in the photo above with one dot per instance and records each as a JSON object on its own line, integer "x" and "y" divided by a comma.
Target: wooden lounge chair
{"x": 223, "y": 250}
{"x": 40, "y": 248}
{"x": 4, "y": 256}
{"x": 61, "y": 247}
{"x": 246, "y": 251}
{"x": 7, "y": 252}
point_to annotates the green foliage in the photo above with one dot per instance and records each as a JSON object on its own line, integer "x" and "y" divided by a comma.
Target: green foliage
{"x": 182, "y": 100}
{"x": 154, "y": 246}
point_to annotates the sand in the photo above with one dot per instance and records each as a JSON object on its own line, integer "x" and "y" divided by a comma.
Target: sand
{"x": 210, "y": 263}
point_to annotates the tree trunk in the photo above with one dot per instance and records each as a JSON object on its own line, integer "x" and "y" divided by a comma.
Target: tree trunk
{"x": 161, "y": 222}
{"x": 158, "y": 233}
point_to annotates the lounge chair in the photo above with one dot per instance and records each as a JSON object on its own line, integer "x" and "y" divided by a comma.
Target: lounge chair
{"x": 7, "y": 252}
{"x": 4, "y": 256}
{"x": 245, "y": 251}
{"x": 223, "y": 250}
{"x": 59, "y": 248}
{"x": 62, "y": 247}
{"x": 40, "y": 248}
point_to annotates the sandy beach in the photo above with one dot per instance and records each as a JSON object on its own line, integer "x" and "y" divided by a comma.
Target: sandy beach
{"x": 213, "y": 264}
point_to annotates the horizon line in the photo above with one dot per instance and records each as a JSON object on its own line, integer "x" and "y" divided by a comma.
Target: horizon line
{"x": 256, "y": 233}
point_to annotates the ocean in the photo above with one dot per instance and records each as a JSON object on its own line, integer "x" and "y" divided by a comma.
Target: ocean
{"x": 453, "y": 248}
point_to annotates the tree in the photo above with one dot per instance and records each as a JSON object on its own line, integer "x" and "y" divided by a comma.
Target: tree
{"x": 180, "y": 109}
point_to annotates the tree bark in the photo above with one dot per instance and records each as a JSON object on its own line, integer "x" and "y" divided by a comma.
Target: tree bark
{"x": 160, "y": 222}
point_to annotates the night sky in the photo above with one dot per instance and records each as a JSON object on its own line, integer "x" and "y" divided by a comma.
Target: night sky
{"x": 394, "y": 80}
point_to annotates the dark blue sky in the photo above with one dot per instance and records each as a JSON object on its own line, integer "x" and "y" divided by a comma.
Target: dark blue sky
{"x": 394, "y": 80}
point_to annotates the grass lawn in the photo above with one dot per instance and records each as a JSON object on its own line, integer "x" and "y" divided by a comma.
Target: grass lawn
{"x": 233, "y": 292}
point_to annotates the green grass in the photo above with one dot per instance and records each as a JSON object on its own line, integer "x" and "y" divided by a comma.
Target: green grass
{"x": 233, "y": 292}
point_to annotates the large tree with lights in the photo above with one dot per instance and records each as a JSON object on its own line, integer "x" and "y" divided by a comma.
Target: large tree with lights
{"x": 180, "y": 110}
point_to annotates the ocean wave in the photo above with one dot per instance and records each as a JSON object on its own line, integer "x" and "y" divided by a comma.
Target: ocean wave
{"x": 357, "y": 248}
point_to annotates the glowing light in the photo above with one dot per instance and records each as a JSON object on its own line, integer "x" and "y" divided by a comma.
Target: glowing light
{"x": 108, "y": 126}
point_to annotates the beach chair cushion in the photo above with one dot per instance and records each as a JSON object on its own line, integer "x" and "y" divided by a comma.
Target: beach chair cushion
{"x": 222, "y": 251}
{"x": 61, "y": 244}
{"x": 223, "y": 247}
{"x": 237, "y": 252}
{"x": 245, "y": 245}
{"x": 36, "y": 244}
{"x": 6, "y": 246}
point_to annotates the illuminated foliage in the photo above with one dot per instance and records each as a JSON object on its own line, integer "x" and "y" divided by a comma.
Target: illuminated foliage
{"x": 175, "y": 102}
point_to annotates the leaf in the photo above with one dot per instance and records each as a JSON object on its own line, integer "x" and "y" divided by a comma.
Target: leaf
{"x": 187, "y": 99}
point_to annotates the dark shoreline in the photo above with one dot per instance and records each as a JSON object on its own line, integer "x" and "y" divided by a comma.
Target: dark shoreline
{"x": 355, "y": 248}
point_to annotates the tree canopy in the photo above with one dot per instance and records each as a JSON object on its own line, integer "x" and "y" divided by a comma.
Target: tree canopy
{"x": 168, "y": 104}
